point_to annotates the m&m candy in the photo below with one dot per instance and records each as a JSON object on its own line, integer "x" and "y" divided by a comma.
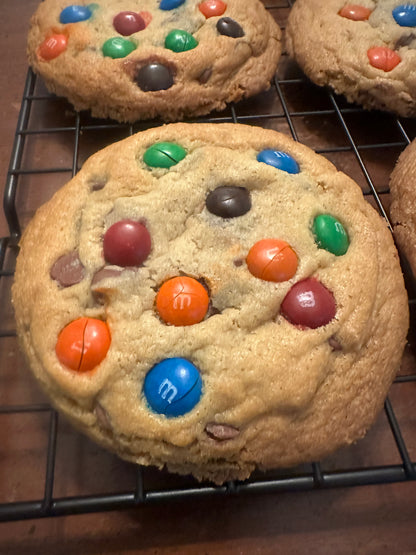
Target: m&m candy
{"x": 173, "y": 387}
{"x": 126, "y": 243}
{"x": 382, "y": 57}
{"x": 355, "y": 12}
{"x": 180, "y": 41}
{"x": 74, "y": 14}
{"x": 127, "y": 23}
{"x": 309, "y": 304}
{"x": 272, "y": 260}
{"x": 83, "y": 344}
{"x": 212, "y": 8}
{"x": 405, "y": 15}
{"x": 170, "y": 4}
{"x": 330, "y": 234}
{"x": 279, "y": 160}
{"x": 228, "y": 201}
{"x": 117, "y": 47}
{"x": 182, "y": 301}
{"x": 52, "y": 47}
{"x": 164, "y": 155}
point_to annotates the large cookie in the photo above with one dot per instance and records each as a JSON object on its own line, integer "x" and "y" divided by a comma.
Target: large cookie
{"x": 365, "y": 50}
{"x": 212, "y": 297}
{"x": 403, "y": 205}
{"x": 138, "y": 59}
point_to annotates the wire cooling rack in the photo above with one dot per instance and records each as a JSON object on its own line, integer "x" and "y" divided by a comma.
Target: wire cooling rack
{"x": 48, "y": 468}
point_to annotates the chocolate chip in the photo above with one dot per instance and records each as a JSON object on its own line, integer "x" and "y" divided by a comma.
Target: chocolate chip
{"x": 335, "y": 344}
{"x": 68, "y": 270}
{"x": 154, "y": 77}
{"x": 221, "y": 432}
{"x": 106, "y": 272}
{"x": 205, "y": 76}
{"x": 228, "y": 201}
{"x": 238, "y": 262}
{"x": 102, "y": 417}
{"x": 405, "y": 40}
{"x": 230, "y": 28}
{"x": 98, "y": 184}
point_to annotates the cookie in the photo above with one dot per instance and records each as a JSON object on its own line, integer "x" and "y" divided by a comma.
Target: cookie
{"x": 403, "y": 202}
{"x": 214, "y": 298}
{"x": 365, "y": 50}
{"x": 171, "y": 59}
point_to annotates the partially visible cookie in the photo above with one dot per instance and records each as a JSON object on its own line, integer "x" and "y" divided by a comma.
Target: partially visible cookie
{"x": 140, "y": 59}
{"x": 403, "y": 205}
{"x": 213, "y": 298}
{"x": 365, "y": 50}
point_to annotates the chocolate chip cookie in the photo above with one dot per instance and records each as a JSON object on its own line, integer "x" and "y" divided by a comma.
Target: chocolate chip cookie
{"x": 214, "y": 298}
{"x": 140, "y": 59}
{"x": 402, "y": 209}
{"x": 364, "y": 50}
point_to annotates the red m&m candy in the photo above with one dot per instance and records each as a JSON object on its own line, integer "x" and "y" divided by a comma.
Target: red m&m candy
{"x": 127, "y": 23}
{"x": 126, "y": 243}
{"x": 83, "y": 344}
{"x": 383, "y": 58}
{"x": 272, "y": 260}
{"x": 52, "y": 47}
{"x": 212, "y": 8}
{"x": 182, "y": 301}
{"x": 309, "y": 304}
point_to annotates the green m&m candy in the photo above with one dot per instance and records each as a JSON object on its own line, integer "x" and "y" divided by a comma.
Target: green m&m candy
{"x": 330, "y": 234}
{"x": 117, "y": 47}
{"x": 180, "y": 41}
{"x": 164, "y": 155}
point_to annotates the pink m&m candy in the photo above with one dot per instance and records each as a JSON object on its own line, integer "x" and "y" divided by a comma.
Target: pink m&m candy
{"x": 309, "y": 304}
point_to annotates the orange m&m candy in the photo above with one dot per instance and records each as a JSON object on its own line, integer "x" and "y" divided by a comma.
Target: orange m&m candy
{"x": 382, "y": 57}
{"x": 182, "y": 301}
{"x": 83, "y": 344}
{"x": 355, "y": 12}
{"x": 52, "y": 47}
{"x": 272, "y": 260}
{"x": 211, "y": 8}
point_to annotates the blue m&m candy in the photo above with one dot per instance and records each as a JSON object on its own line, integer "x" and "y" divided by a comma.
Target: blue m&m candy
{"x": 405, "y": 15}
{"x": 279, "y": 160}
{"x": 74, "y": 14}
{"x": 173, "y": 387}
{"x": 170, "y": 4}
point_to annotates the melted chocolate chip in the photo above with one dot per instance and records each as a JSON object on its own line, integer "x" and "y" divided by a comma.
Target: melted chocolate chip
{"x": 205, "y": 76}
{"x": 238, "y": 262}
{"x": 102, "y": 417}
{"x": 405, "y": 40}
{"x": 68, "y": 270}
{"x": 106, "y": 272}
{"x": 230, "y": 28}
{"x": 98, "y": 184}
{"x": 221, "y": 432}
{"x": 228, "y": 201}
{"x": 335, "y": 344}
{"x": 154, "y": 77}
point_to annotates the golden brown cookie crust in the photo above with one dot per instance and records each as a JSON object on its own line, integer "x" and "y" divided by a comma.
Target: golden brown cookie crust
{"x": 402, "y": 209}
{"x": 332, "y": 51}
{"x": 274, "y": 394}
{"x": 221, "y": 69}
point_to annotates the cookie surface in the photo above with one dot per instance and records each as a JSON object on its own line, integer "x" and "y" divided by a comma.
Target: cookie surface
{"x": 403, "y": 202}
{"x": 213, "y": 297}
{"x": 364, "y": 50}
{"x": 142, "y": 59}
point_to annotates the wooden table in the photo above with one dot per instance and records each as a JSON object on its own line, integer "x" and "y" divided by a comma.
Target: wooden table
{"x": 365, "y": 519}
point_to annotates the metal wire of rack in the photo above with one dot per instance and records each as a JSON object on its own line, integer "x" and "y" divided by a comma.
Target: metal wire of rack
{"x": 363, "y": 144}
